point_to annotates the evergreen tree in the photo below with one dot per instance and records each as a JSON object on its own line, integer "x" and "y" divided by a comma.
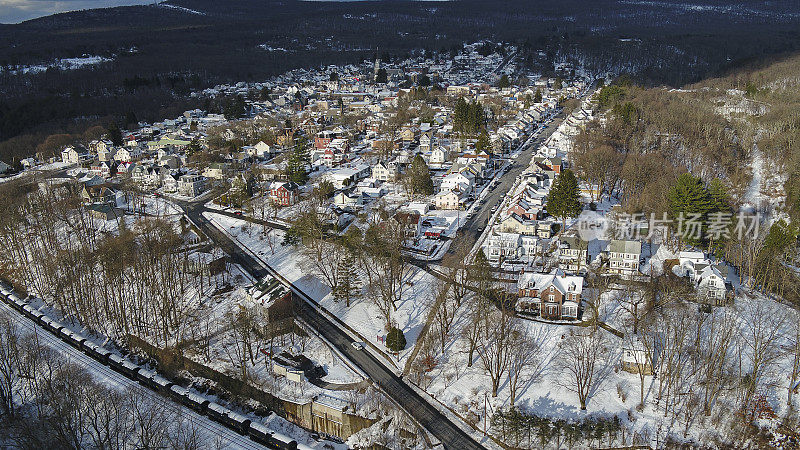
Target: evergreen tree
{"x": 503, "y": 82}
{"x": 690, "y": 199}
{"x": 193, "y": 147}
{"x": 349, "y": 286}
{"x": 233, "y": 107}
{"x": 298, "y": 163}
{"x": 395, "y": 340}
{"x": 565, "y": 198}
{"x": 424, "y": 80}
{"x": 480, "y": 273}
{"x": 558, "y": 83}
{"x": 689, "y": 195}
{"x": 381, "y": 76}
{"x": 114, "y": 134}
{"x": 719, "y": 195}
{"x": 460, "y": 115}
{"x": 476, "y": 118}
{"x": 483, "y": 141}
{"x": 418, "y": 178}
{"x": 537, "y": 96}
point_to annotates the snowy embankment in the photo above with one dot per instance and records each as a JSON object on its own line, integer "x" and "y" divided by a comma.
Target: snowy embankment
{"x": 206, "y": 429}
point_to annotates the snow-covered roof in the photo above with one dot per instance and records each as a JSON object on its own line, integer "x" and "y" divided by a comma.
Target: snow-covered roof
{"x": 541, "y": 281}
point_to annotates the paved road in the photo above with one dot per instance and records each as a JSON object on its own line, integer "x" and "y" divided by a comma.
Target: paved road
{"x": 426, "y": 415}
{"x": 473, "y": 227}
{"x": 208, "y": 430}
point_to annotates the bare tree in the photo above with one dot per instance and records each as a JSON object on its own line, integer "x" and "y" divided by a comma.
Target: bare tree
{"x": 578, "y": 358}
{"x": 672, "y": 330}
{"x": 239, "y": 346}
{"x": 763, "y": 327}
{"x": 526, "y": 357}
{"x": 107, "y": 418}
{"x": 711, "y": 353}
{"x": 456, "y": 270}
{"x": 793, "y": 350}
{"x": 633, "y": 302}
{"x": 151, "y": 419}
{"x": 387, "y": 269}
{"x": 478, "y": 306}
{"x": 445, "y": 312}
{"x": 498, "y": 331}
{"x": 9, "y": 365}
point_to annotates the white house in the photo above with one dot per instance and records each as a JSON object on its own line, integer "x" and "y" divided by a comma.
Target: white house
{"x": 624, "y": 257}
{"x": 457, "y": 182}
{"x": 105, "y": 152}
{"x": 711, "y": 285}
{"x": 70, "y": 155}
{"x": 448, "y": 200}
{"x": 635, "y": 356}
{"x": 348, "y": 176}
{"x": 128, "y": 154}
{"x": 217, "y": 171}
{"x": 384, "y": 171}
{"x": 439, "y": 155}
{"x": 503, "y": 245}
{"x": 191, "y": 185}
{"x": 260, "y": 150}
{"x": 573, "y": 255}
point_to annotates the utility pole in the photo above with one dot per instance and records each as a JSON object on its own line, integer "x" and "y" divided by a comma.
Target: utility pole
{"x": 484, "y": 413}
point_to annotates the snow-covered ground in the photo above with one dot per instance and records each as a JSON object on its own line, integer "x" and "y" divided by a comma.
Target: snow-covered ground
{"x": 363, "y": 315}
{"x": 208, "y": 430}
{"x": 60, "y": 64}
{"x": 545, "y": 392}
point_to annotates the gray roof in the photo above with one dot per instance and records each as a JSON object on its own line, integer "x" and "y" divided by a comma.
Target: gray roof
{"x": 625, "y": 247}
{"x": 573, "y": 242}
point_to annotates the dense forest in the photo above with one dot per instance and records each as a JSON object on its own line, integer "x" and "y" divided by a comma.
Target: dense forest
{"x": 156, "y": 55}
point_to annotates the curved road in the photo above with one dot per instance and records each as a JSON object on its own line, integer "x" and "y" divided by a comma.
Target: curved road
{"x": 451, "y": 436}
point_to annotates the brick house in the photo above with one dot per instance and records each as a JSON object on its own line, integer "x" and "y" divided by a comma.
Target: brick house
{"x": 284, "y": 193}
{"x": 551, "y": 295}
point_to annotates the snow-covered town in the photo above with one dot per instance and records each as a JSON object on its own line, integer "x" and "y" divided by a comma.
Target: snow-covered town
{"x": 433, "y": 251}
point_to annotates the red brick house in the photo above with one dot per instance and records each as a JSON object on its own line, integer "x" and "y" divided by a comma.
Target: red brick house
{"x": 551, "y": 163}
{"x": 552, "y": 295}
{"x": 284, "y": 193}
{"x": 321, "y": 143}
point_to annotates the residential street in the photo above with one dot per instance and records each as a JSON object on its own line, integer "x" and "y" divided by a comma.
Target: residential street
{"x": 474, "y": 226}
